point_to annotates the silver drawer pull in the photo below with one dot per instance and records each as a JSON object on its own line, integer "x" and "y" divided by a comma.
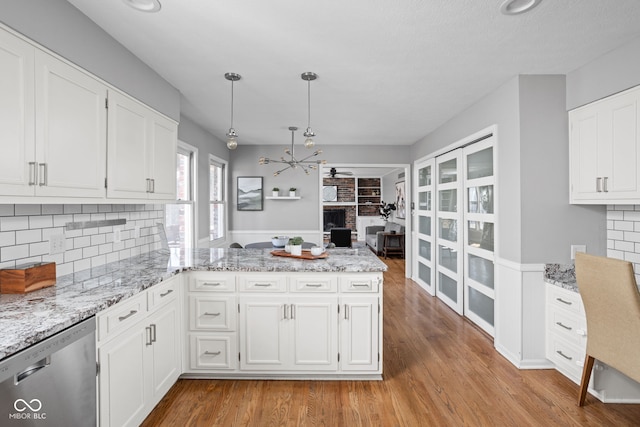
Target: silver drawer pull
{"x": 166, "y": 293}
{"x": 131, "y": 313}
{"x": 360, "y": 285}
{"x": 211, "y": 284}
{"x": 564, "y": 355}
{"x": 33, "y": 173}
{"x": 563, "y": 301}
{"x": 264, "y": 285}
{"x": 212, "y": 353}
{"x": 313, "y": 285}
{"x": 568, "y": 328}
{"x": 211, "y": 314}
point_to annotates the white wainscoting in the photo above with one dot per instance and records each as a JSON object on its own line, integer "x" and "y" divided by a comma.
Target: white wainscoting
{"x": 520, "y": 314}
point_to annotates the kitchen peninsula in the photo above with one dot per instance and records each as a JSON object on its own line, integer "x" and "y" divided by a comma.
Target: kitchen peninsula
{"x": 214, "y": 313}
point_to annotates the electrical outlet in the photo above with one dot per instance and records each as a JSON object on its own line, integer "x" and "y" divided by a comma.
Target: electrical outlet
{"x": 577, "y": 248}
{"x": 57, "y": 244}
{"x": 117, "y": 236}
{"x": 136, "y": 232}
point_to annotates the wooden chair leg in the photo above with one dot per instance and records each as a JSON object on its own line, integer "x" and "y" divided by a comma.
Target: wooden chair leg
{"x": 584, "y": 381}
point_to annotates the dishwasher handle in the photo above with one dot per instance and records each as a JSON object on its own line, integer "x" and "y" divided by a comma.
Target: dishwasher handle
{"x": 41, "y": 364}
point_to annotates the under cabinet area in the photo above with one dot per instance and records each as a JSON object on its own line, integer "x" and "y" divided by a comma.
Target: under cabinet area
{"x": 605, "y": 150}
{"x": 283, "y": 325}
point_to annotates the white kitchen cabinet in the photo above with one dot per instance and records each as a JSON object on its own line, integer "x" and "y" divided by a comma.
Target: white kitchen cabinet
{"x": 138, "y": 353}
{"x": 288, "y": 334}
{"x": 53, "y": 125}
{"x": 605, "y": 150}
{"x": 141, "y": 151}
{"x": 359, "y": 334}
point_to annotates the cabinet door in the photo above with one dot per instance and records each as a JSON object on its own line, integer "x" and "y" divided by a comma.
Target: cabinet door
{"x": 583, "y": 127}
{"x": 359, "y": 333}
{"x": 164, "y": 137}
{"x": 17, "y": 121}
{"x": 314, "y": 338}
{"x": 165, "y": 347}
{"x": 127, "y": 148}
{"x": 124, "y": 390}
{"x": 264, "y": 333}
{"x": 70, "y": 130}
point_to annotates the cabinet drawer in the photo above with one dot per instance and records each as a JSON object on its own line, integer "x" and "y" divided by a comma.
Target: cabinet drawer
{"x": 567, "y": 357}
{"x": 211, "y": 282}
{"x": 565, "y": 299}
{"x": 212, "y": 313}
{"x": 214, "y": 352}
{"x": 314, "y": 283}
{"x": 162, "y": 293}
{"x": 121, "y": 316}
{"x": 360, "y": 283}
{"x": 262, "y": 283}
{"x": 568, "y": 326}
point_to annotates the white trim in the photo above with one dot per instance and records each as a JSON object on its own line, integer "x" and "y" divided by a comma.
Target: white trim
{"x": 493, "y": 129}
{"x": 225, "y": 199}
{"x": 519, "y": 267}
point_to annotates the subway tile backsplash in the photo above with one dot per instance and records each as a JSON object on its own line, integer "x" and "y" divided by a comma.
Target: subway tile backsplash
{"x": 25, "y": 231}
{"x": 623, "y": 234}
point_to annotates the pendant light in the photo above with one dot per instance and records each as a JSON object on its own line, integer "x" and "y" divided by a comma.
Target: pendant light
{"x": 305, "y": 164}
{"x": 232, "y": 136}
{"x": 309, "y": 76}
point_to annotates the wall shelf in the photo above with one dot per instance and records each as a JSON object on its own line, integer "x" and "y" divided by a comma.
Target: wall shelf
{"x": 283, "y": 197}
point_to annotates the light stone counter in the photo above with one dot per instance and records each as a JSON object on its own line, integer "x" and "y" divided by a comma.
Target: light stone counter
{"x": 26, "y": 319}
{"x": 563, "y": 275}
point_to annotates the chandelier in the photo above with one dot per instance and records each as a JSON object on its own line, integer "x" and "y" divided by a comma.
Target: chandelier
{"x": 305, "y": 164}
{"x": 232, "y": 143}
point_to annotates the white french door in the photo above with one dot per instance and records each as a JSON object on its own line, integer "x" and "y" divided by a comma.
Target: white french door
{"x": 424, "y": 243}
{"x": 449, "y": 216}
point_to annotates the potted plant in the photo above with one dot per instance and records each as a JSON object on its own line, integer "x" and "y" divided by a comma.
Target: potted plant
{"x": 275, "y": 192}
{"x": 295, "y": 244}
{"x": 292, "y": 192}
{"x": 386, "y": 209}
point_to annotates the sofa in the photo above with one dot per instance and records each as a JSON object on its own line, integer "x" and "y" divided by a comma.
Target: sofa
{"x": 374, "y": 235}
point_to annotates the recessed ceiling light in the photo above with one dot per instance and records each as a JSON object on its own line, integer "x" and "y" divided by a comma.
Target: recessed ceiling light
{"x": 144, "y": 5}
{"x": 515, "y": 7}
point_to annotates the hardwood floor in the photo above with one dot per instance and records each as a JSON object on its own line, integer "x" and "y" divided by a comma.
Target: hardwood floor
{"x": 439, "y": 370}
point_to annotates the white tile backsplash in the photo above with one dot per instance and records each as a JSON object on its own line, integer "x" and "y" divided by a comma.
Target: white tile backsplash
{"x": 623, "y": 234}
{"x": 25, "y": 231}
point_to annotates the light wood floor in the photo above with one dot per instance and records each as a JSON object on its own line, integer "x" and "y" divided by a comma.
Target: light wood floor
{"x": 439, "y": 370}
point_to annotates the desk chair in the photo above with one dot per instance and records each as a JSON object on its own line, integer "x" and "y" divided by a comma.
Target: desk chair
{"x": 341, "y": 237}
{"x": 612, "y": 305}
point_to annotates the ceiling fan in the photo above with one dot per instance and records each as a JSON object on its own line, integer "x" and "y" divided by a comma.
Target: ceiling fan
{"x": 333, "y": 172}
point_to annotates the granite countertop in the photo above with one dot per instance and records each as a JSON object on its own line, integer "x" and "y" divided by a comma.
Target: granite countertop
{"x": 563, "y": 275}
{"x": 26, "y": 319}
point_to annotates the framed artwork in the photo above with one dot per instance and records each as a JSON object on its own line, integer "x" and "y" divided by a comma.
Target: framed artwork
{"x": 401, "y": 201}
{"x": 330, "y": 193}
{"x": 250, "y": 193}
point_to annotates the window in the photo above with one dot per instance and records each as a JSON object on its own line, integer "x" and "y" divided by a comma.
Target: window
{"x": 217, "y": 200}
{"x": 180, "y": 216}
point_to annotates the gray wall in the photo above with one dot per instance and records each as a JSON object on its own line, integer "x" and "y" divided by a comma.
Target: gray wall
{"x": 192, "y": 134}
{"x": 389, "y": 192}
{"x": 60, "y": 27}
{"x": 614, "y": 72}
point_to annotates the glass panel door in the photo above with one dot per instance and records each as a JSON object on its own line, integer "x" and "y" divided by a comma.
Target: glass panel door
{"x": 479, "y": 220}
{"x": 424, "y": 271}
{"x": 450, "y": 230}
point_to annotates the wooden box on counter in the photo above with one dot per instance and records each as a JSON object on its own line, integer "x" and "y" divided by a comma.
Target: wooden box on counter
{"x": 27, "y": 277}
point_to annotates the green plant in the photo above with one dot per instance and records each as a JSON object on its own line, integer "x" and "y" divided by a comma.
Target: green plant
{"x": 296, "y": 240}
{"x": 293, "y": 189}
{"x": 276, "y": 189}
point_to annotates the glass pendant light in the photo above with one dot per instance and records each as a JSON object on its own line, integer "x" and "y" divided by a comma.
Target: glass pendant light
{"x": 309, "y": 76}
{"x": 232, "y": 136}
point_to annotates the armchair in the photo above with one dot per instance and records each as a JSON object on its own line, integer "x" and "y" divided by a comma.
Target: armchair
{"x": 374, "y": 235}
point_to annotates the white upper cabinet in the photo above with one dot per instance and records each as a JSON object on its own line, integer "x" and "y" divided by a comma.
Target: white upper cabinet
{"x": 71, "y": 129}
{"x": 605, "y": 150}
{"x": 141, "y": 151}
{"x": 17, "y": 116}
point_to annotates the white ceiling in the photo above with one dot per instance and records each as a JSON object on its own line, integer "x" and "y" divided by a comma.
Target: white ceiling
{"x": 390, "y": 71}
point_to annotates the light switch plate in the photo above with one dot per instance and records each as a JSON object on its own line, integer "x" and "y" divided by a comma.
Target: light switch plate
{"x": 57, "y": 244}
{"x": 577, "y": 248}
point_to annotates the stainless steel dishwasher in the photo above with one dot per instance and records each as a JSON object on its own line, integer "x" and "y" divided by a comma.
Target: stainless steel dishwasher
{"x": 52, "y": 383}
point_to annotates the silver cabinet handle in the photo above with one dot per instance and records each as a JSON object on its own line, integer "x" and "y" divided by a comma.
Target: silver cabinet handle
{"x": 564, "y": 302}
{"x": 598, "y": 185}
{"x": 148, "y": 185}
{"x": 44, "y": 172}
{"x": 604, "y": 187}
{"x": 346, "y": 312}
{"x": 211, "y": 314}
{"x": 212, "y": 353}
{"x": 153, "y": 185}
{"x": 131, "y": 313}
{"x": 41, "y": 364}
{"x": 568, "y": 328}
{"x": 284, "y": 311}
{"x": 153, "y": 333}
{"x": 313, "y": 285}
{"x": 166, "y": 293}
{"x": 360, "y": 285}
{"x": 211, "y": 284}
{"x": 148, "y": 330}
{"x": 564, "y": 355}
{"x": 293, "y": 311}
{"x": 33, "y": 173}
{"x": 263, "y": 285}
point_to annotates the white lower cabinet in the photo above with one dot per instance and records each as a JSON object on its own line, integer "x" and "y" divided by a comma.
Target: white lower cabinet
{"x": 140, "y": 359}
{"x": 359, "y": 334}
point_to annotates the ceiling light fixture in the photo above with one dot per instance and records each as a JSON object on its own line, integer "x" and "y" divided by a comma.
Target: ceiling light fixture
{"x": 309, "y": 76}
{"x": 293, "y": 163}
{"x": 144, "y": 5}
{"x": 516, "y": 7}
{"x": 232, "y": 142}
